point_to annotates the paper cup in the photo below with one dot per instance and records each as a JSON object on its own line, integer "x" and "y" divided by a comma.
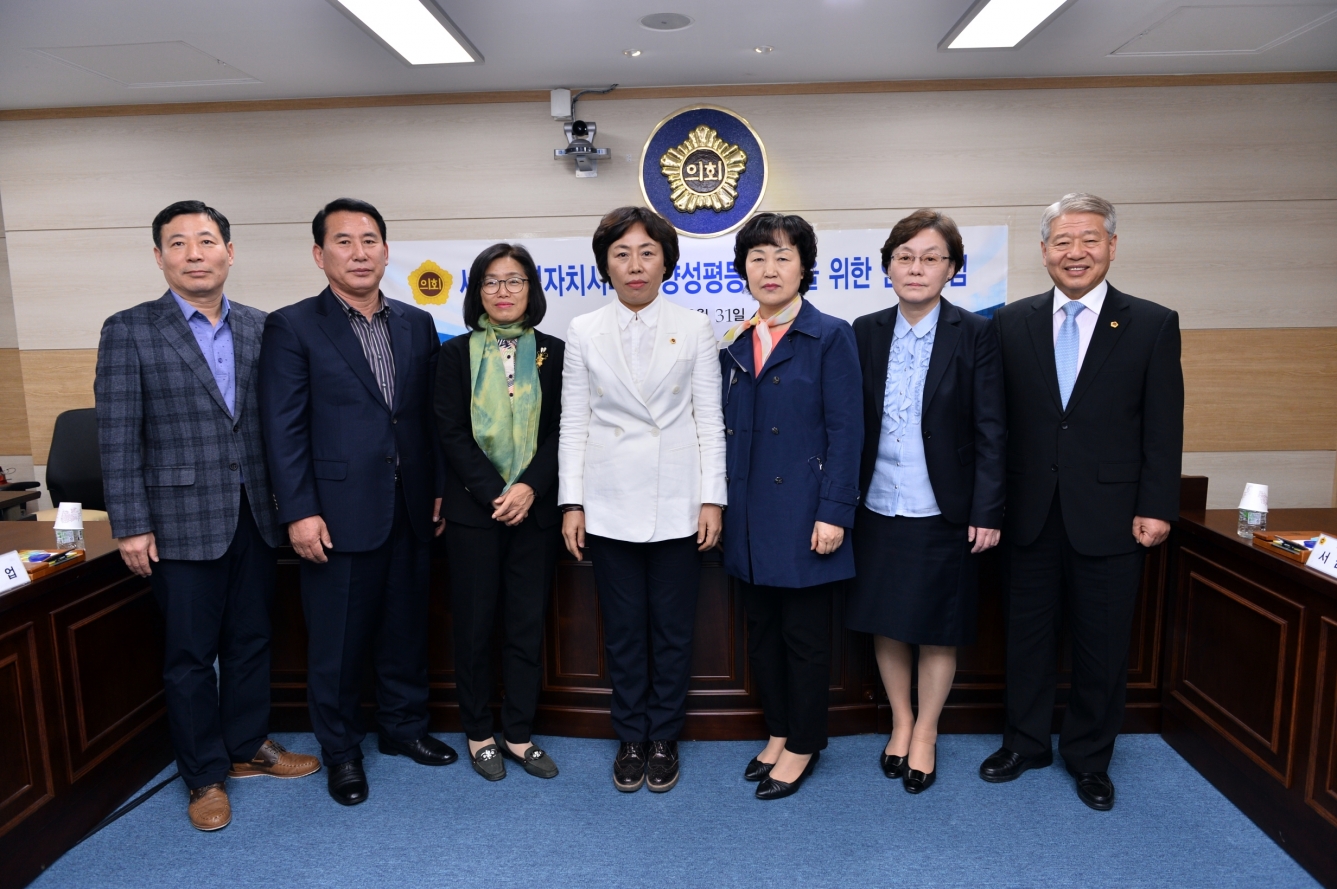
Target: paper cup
{"x": 1255, "y": 498}
{"x": 70, "y": 517}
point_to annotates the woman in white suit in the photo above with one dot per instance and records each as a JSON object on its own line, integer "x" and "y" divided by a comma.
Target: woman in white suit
{"x": 641, "y": 482}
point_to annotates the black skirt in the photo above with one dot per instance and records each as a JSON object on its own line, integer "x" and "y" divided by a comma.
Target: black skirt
{"x": 916, "y": 580}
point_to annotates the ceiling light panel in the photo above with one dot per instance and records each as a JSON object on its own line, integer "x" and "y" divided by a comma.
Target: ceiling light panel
{"x": 417, "y": 33}
{"x": 1001, "y": 24}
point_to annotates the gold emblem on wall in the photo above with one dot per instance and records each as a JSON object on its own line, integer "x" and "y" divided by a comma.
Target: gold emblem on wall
{"x": 430, "y": 284}
{"x": 703, "y": 171}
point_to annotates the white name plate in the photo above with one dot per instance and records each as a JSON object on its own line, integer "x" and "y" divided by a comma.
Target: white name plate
{"x": 12, "y": 572}
{"x": 1324, "y": 556}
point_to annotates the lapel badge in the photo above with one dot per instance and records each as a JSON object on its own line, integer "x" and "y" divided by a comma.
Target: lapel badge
{"x": 542, "y": 356}
{"x": 1114, "y": 324}
{"x": 672, "y": 341}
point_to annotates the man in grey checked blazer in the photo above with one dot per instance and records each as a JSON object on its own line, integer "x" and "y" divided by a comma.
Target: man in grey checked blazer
{"x": 189, "y": 499}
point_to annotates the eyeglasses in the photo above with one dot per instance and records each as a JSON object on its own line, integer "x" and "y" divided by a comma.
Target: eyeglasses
{"x": 513, "y": 285}
{"x": 930, "y": 261}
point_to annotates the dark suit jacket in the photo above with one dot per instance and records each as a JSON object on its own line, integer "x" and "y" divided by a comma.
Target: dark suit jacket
{"x": 332, "y": 441}
{"x": 472, "y": 482}
{"x": 963, "y": 422}
{"x": 1116, "y": 451}
{"x": 173, "y": 459}
{"x": 792, "y": 440}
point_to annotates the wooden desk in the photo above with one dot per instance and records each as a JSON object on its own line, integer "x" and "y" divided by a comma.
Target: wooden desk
{"x": 722, "y": 702}
{"x": 11, "y": 504}
{"x": 82, "y": 719}
{"x": 1251, "y": 679}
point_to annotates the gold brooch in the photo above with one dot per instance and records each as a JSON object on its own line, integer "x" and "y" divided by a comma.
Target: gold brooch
{"x": 1114, "y": 324}
{"x": 542, "y": 356}
{"x": 703, "y": 171}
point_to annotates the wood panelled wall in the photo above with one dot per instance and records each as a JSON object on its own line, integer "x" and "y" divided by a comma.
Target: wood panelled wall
{"x": 1227, "y": 200}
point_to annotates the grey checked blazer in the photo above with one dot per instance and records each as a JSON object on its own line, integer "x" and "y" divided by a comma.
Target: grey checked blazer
{"x": 172, "y": 457}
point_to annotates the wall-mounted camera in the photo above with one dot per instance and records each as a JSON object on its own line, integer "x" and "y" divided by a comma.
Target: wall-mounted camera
{"x": 580, "y": 146}
{"x": 579, "y": 133}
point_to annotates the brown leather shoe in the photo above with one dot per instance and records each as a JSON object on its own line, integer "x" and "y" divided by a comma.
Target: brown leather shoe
{"x": 272, "y": 760}
{"x": 209, "y": 807}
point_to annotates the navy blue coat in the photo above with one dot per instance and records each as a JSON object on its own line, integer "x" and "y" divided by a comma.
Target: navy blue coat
{"x": 331, "y": 440}
{"x": 792, "y": 444}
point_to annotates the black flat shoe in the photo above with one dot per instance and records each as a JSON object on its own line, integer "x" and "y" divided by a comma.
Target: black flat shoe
{"x": 488, "y": 763}
{"x": 347, "y": 783}
{"x": 772, "y": 789}
{"x": 535, "y": 761}
{"x": 916, "y": 781}
{"x": 892, "y": 766}
{"x": 757, "y": 770}
{"x": 1095, "y": 789}
{"x": 1004, "y": 765}
{"x": 425, "y": 751}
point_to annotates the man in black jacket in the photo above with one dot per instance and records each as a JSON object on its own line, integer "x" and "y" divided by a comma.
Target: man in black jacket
{"x": 1095, "y": 416}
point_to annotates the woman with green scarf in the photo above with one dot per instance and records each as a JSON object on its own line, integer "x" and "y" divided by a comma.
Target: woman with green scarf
{"x": 498, "y": 407}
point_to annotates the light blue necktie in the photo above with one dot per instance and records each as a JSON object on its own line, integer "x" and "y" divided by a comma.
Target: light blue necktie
{"x": 1065, "y": 350}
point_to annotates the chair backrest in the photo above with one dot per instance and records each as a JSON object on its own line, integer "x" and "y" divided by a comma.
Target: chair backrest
{"x": 74, "y": 467}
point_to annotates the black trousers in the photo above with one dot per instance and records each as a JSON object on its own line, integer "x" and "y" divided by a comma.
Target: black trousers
{"x": 368, "y": 604}
{"x": 789, "y": 646}
{"x": 647, "y": 597}
{"x": 1045, "y": 580}
{"x": 508, "y": 570}
{"x": 217, "y": 608}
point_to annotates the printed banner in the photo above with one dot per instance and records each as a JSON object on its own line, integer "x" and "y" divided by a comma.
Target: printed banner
{"x": 434, "y": 275}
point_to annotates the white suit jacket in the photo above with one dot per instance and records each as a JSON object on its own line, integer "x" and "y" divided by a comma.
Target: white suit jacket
{"x": 642, "y": 465}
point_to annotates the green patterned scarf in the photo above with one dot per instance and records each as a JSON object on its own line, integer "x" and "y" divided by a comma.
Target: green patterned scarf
{"x": 506, "y": 427}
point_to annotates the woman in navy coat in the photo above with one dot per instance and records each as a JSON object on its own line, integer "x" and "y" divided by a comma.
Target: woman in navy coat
{"x": 793, "y": 434}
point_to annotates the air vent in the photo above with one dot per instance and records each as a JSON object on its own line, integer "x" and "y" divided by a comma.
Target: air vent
{"x": 149, "y": 65}
{"x": 1203, "y": 30}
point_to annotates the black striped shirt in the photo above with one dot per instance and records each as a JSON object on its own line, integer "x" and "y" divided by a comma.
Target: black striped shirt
{"x": 374, "y": 335}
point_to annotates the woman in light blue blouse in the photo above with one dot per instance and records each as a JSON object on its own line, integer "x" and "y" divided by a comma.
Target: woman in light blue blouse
{"x": 932, "y": 482}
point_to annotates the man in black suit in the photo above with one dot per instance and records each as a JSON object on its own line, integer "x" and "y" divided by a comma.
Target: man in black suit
{"x": 346, "y": 400}
{"x": 1095, "y": 416}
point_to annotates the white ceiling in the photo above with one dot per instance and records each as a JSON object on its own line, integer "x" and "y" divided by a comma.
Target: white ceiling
{"x": 308, "y": 48}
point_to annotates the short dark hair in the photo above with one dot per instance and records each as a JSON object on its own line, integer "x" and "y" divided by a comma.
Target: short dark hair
{"x": 919, "y": 221}
{"x": 350, "y": 205}
{"x": 615, "y": 224}
{"x": 190, "y": 208}
{"x": 761, "y": 229}
{"x": 473, "y": 293}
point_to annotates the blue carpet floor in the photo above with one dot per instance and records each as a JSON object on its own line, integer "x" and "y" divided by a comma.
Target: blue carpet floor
{"x": 848, "y": 827}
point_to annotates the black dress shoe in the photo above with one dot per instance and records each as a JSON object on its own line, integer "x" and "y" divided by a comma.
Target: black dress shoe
{"x": 426, "y": 751}
{"x": 916, "y": 781}
{"x": 1095, "y": 789}
{"x": 629, "y": 766}
{"x": 1004, "y": 765}
{"x": 773, "y": 789}
{"x": 892, "y": 766}
{"x": 757, "y": 770}
{"x": 347, "y": 783}
{"x": 661, "y": 772}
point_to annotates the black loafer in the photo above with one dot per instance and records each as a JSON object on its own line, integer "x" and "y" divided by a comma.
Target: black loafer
{"x": 425, "y": 751}
{"x": 1004, "y": 765}
{"x": 757, "y": 770}
{"x": 892, "y": 766}
{"x": 629, "y": 766}
{"x": 1095, "y": 789}
{"x": 773, "y": 789}
{"x": 488, "y": 763}
{"x": 347, "y": 783}
{"x": 535, "y": 761}
{"x": 661, "y": 772}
